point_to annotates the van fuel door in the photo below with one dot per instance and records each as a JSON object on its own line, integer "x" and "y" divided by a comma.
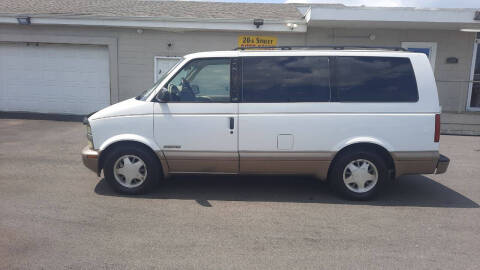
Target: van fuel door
{"x": 285, "y": 142}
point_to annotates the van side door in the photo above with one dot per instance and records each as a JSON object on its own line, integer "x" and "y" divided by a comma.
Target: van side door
{"x": 279, "y": 114}
{"x": 197, "y": 128}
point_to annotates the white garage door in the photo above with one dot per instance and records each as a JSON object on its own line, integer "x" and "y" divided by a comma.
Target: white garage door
{"x": 53, "y": 78}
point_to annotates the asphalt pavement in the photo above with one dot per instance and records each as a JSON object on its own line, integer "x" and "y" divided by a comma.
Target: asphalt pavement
{"x": 56, "y": 214}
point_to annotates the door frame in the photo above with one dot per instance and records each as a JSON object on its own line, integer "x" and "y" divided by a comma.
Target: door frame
{"x": 432, "y": 45}
{"x": 472, "y": 73}
{"x": 155, "y": 75}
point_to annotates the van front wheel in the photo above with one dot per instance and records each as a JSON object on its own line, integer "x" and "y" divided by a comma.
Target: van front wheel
{"x": 131, "y": 170}
{"x": 358, "y": 175}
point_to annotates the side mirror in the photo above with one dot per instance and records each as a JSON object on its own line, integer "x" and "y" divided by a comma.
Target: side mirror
{"x": 163, "y": 95}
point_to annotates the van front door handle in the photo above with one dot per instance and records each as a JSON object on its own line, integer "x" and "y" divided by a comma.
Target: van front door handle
{"x": 232, "y": 123}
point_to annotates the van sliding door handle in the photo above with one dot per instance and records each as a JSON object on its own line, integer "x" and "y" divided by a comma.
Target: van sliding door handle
{"x": 232, "y": 123}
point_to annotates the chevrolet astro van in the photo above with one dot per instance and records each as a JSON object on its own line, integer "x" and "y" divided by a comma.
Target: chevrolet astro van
{"x": 356, "y": 117}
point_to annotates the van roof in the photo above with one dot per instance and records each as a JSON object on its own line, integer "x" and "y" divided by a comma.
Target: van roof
{"x": 336, "y": 47}
{"x": 294, "y": 52}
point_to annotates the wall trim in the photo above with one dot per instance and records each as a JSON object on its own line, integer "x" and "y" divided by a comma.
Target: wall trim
{"x": 468, "y": 108}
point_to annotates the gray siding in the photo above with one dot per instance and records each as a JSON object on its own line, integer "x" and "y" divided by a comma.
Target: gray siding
{"x": 452, "y": 79}
{"x": 136, "y": 51}
{"x": 135, "y": 55}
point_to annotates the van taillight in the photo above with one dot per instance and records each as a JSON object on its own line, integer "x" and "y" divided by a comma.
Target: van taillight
{"x": 437, "y": 128}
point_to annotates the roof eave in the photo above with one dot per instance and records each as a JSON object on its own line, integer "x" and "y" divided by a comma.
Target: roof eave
{"x": 160, "y": 22}
{"x": 362, "y": 17}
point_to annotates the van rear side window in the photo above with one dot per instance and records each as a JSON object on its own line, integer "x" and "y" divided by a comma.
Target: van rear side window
{"x": 286, "y": 79}
{"x": 374, "y": 79}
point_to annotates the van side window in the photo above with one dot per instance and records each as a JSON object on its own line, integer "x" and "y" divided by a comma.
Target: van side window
{"x": 286, "y": 79}
{"x": 375, "y": 79}
{"x": 202, "y": 80}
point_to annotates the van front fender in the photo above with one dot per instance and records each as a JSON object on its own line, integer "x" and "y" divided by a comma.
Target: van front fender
{"x": 129, "y": 137}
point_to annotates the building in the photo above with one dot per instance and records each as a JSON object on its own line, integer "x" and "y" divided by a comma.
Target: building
{"x": 76, "y": 56}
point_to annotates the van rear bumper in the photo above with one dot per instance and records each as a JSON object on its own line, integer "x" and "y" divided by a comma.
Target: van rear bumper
{"x": 419, "y": 162}
{"x": 442, "y": 164}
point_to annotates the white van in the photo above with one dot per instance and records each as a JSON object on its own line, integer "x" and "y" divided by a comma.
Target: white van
{"x": 355, "y": 117}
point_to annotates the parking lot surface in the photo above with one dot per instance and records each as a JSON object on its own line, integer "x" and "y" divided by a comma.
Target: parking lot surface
{"x": 56, "y": 214}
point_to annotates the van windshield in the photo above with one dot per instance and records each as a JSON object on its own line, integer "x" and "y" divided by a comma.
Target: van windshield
{"x": 144, "y": 95}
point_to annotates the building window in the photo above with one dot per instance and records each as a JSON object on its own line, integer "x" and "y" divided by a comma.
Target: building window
{"x": 163, "y": 64}
{"x": 473, "y": 102}
{"x": 428, "y": 48}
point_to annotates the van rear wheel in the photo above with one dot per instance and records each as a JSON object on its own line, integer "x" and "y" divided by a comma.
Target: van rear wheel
{"x": 358, "y": 175}
{"x": 131, "y": 170}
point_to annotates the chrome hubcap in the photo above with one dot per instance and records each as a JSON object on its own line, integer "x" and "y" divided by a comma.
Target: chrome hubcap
{"x": 130, "y": 171}
{"x": 360, "y": 175}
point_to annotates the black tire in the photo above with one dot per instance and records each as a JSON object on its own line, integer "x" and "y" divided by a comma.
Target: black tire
{"x": 152, "y": 169}
{"x": 340, "y": 164}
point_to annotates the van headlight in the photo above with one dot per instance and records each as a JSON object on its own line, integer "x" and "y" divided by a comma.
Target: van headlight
{"x": 89, "y": 136}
